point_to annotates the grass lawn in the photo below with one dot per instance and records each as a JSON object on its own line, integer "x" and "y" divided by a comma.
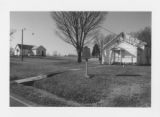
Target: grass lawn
{"x": 33, "y": 95}
{"x": 108, "y": 86}
{"x": 35, "y": 66}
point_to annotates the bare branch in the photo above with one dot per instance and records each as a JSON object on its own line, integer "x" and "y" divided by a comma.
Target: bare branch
{"x": 77, "y": 27}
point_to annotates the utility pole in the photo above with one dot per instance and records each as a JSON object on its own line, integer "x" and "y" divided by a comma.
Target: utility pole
{"x": 22, "y": 46}
{"x": 22, "y": 55}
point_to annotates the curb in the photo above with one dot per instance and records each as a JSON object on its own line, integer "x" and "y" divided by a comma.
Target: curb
{"x": 35, "y": 78}
{"x": 41, "y": 76}
{"x": 23, "y": 101}
{"x": 31, "y": 79}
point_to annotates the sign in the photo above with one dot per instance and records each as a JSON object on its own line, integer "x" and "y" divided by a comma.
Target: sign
{"x": 86, "y": 53}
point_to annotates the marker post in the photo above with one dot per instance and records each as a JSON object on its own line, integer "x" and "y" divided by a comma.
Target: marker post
{"x": 86, "y": 73}
{"x": 86, "y": 56}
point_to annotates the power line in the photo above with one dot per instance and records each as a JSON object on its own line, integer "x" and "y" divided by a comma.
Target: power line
{"x": 108, "y": 30}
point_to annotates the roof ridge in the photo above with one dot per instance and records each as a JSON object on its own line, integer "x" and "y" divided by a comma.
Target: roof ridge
{"x": 112, "y": 40}
{"x": 137, "y": 44}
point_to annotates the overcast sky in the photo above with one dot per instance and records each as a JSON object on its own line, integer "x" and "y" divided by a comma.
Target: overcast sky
{"x": 43, "y": 27}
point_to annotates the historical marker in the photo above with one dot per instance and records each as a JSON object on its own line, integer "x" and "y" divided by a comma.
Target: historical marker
{"x": 86, "y": 55}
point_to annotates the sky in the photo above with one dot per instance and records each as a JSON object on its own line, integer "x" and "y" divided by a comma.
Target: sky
{"x": 40, "y": 28}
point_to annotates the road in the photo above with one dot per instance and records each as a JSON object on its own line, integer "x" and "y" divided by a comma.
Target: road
{"x": 16, "y": 102}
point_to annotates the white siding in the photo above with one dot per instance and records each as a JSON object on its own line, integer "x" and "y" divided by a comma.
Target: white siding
{"x": 41, "y": 50}
{"x": 34, "y": 52}
{"x": 122, "y": 50}
{"x": 128, "y": 47}
{"x": 17, "y": 51}
{"x": 130, "y": 53}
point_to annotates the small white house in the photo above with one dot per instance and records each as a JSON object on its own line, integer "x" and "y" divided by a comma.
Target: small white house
{"x": 30, "y": 50}
{"x": 123, "y": 49}
{"x": 39, "y": 51}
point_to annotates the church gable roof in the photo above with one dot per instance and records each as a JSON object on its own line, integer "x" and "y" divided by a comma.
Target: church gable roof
{"x": 124, "y": 37}
{"x": 29, "y": 47}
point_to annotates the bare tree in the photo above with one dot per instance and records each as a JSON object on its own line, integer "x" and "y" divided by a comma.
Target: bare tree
{"x": 77, "y": 28}
{"x": 109, "y": 38}
{"x": 145, "y": 35}
{"x": 101, "y": 40}
{"x": 12, "y": 31}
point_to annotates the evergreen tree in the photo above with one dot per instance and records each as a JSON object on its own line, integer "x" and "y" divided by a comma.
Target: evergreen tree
{"x": 96, "y": 51}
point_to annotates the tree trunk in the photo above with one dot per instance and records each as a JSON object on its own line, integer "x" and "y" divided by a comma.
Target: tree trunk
{"x": 100, "y": 56}
{"x": 100, "y": 59}
{"x": 79, "y": 59}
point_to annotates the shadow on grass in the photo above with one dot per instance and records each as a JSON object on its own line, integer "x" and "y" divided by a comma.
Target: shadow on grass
{"x": 30, "y": 83}
{"x": 98, "y": 75}
{"x": 128, "y": 75}
{"x": 52, "y": 74}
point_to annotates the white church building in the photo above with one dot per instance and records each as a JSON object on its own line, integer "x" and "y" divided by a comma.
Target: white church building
{"x": 123, "y": 49}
